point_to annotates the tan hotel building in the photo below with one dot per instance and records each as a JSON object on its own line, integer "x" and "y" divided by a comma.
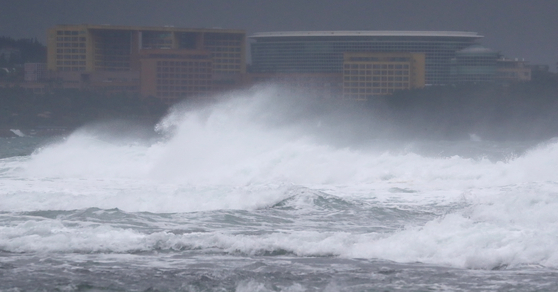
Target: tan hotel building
{"x": 164, "y": 62}
{"x": 370, "y": 74}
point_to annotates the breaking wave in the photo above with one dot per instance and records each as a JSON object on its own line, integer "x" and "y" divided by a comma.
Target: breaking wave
{"x": 307, "y": 188}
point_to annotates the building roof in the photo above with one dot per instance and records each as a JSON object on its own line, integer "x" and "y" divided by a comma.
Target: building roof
{"x": 145, "y": 28}
{"x": 389, "y": 33}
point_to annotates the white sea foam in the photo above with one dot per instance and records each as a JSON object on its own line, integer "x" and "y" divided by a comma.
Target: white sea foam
{"x": 242, "y": 141}
{"x": 240, "y": 155}
{"x": 454, "y": 239}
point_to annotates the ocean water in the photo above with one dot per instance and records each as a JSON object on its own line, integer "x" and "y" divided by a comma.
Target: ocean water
{"x": 264, "y": 192}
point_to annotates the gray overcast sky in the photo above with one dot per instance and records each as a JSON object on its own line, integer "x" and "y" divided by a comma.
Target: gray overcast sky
{"x": 518, "y": 28}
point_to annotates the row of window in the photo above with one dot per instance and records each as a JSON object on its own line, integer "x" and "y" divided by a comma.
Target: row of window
{"x": 306, "y": 64}
{"x": 116, "y": 52}
{"x": 183, "y": 64}
{"x": 370, "y": 90}
{"x": 116, "y": 69}
{"x": 146, "y": 41}
{"x": 70, "y": 39}
{"x": 226, "y": 61}
{"x": 70, "y": 57}
{"x": 376, "y": 66}
{"x": 376, "y": 78}
{"x": 376, "y": 59}
{"x": 176, "y": 56}
{"x": 112, "y": 58}
{"x": 182, "y": 76}
{"x": 184, "y": 81}
{"x": 225, "y": 55}
{"x": 116, "y": 44}
{"x": 224, "y": 49}
{"x": 70, "y": 45}
{"x": 222, "y": 43}
{"x": 70, "y": 68}
{"x": 69, "y": 32}
{"x": 226, "y": 67}
{"x": 375, "y": 84}
{"x": 112, "y": 64}
{"x": 70, "y": 51}
{"x": 70, "y": 63}
{"x": 184, "y": 69}
{"x": 376, "y": 72}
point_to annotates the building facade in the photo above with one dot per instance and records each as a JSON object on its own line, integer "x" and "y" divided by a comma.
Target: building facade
{"x": 475, "y": 64}
{"x": 512, "y": 70}
{"x": 172, "y": 74}
{"x": 323, "y": 51}
{"x": 84, "y": 52}
{"x": 370, "y": 74}
{"x": 34, "y": 72}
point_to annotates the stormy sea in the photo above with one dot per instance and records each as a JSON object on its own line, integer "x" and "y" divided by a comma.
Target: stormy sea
{"x": 261, "y": 192}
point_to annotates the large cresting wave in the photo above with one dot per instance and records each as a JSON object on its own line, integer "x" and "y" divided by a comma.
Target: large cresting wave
{"x": 255, "y": 151}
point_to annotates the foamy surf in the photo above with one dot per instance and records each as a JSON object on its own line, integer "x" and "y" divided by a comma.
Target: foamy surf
{"x": 256, "y": 189}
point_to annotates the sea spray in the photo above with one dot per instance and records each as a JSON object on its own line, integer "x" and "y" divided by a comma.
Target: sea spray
{"x": 245, "y": 191}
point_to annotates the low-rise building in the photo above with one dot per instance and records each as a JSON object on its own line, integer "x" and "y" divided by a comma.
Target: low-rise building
{"x": 34, "y": 72}
{"x": 173, "y": 74}
{"x": 512, "y": 70}
{"x": 369, "y": 74}
{"x": 128, "y": 57}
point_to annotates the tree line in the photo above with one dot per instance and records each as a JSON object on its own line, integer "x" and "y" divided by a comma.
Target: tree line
{"x": 30, "y": 51}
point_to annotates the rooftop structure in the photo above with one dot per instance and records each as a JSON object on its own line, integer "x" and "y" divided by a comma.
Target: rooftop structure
{"x": 322, "y": 51}
{"x": 391, "y": 33}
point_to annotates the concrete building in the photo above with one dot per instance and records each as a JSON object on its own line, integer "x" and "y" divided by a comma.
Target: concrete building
{"x": 83, "y": 54}
{"x": 512, "y": 70}
{"x": 171, "y": 74}
{"x": 323, "y": 51}
{"x": 34, "y": 72}
{"x": 369, "y": 74}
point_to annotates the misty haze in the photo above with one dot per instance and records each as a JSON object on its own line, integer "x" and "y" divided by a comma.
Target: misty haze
{"x": 282, "y": 146}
